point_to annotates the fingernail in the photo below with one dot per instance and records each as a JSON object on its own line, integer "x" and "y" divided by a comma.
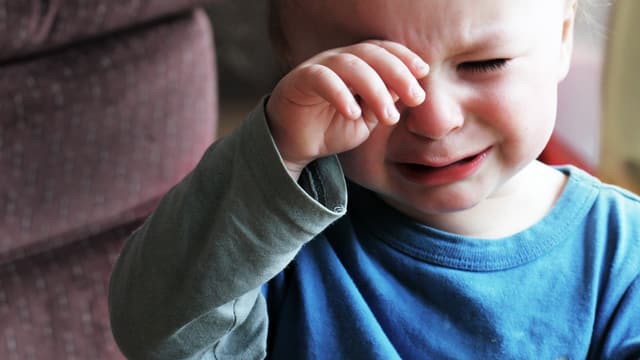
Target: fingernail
{"x": 421, "y": 66}
{"x": 417, "y": 92}
{"x": 354, "y": 111}
{"x": 394, "y": 96}
{"x": 392, "y": 113}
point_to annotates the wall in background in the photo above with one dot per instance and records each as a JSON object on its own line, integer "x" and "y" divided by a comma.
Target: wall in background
{"x": 580, "y": 95}
{"x": 620, "y": 150}
{"x": 246, "y": 65}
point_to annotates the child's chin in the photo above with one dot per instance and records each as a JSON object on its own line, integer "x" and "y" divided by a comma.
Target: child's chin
{"x": 426, "y": 207}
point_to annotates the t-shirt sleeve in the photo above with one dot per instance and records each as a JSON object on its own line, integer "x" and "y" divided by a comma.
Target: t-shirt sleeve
{"x": 187, "y": 283}
{"x": 618, "y": 307}
{"x": 623, "y": 336}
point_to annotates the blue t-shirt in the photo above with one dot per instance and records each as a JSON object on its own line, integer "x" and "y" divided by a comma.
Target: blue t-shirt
{"x": 377, "y": 285}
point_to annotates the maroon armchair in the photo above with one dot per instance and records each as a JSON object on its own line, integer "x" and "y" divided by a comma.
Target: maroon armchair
{"x": 104, "y": 105}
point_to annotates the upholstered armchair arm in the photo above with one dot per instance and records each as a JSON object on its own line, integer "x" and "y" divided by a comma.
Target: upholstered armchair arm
{"x": 31, "y": 26}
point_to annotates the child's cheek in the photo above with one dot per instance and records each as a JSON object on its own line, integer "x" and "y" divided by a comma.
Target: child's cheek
{"x": 366, "y": 163}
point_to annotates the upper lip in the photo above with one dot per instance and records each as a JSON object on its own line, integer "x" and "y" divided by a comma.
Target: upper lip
{"x": 434, "y": 161}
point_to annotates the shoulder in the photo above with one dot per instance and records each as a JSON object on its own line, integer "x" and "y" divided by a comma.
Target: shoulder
{"x": 611, "y": 218}
{"x": 622, "y": 206}
{"x": 612, "y": 243}
{"x": 609, "y": 198}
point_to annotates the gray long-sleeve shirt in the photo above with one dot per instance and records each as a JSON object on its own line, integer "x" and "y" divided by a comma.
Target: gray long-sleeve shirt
{"x": 191, "y": 275}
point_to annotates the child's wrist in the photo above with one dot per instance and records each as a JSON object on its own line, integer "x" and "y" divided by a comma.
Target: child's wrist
{"x": 294, "y": 168}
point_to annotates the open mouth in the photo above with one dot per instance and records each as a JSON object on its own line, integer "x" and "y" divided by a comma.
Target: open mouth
{"x": 438, "y": 175}
{"x": 467, "y": 160}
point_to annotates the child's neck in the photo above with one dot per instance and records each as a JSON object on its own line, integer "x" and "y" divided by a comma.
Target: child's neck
{"x": 519, "y": 204}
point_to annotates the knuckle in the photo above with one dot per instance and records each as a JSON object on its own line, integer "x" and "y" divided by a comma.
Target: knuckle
{"x": 349, "y": 60}
{"x": 376, "y": 50}
{"x": 371, "y": 45}
{"x": 376, "y": 42}
{"x": 316, "y": 70}
{"x": 340, "y": 93}
{"x": 376, "y": 92}
{"x": 385, "y": 46}
{"x": 396, "y": 69}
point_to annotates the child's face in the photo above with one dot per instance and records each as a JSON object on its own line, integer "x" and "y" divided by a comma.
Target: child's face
{"x": 491, "y": 93}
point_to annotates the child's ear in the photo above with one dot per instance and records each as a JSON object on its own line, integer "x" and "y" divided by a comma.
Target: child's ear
{"x": 567, "y": 38}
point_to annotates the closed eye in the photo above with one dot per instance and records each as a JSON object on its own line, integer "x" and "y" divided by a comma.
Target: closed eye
{"x": 483, "y": 66}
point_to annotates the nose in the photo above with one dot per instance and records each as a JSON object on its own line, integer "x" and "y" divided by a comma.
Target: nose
{"x": 440, "y": 114}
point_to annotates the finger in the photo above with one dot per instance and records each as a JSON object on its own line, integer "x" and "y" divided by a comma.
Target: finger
{"x": 394, "y": 96}
{"x": 326, "y": 84}
{"x": 370, "y": 119}
{"x": 366, "y": 83}
{"x": 395, "y": 73}
{"x": 419, "y": 68}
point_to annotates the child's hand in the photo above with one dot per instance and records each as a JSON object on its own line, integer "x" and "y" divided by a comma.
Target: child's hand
{"x": 330, "y": 103}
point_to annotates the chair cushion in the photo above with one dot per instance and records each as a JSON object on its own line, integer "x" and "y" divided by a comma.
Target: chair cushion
{"x": 91, "y": 136}
{"x": 54, "y": 305}
{"x": 28, "y": 26}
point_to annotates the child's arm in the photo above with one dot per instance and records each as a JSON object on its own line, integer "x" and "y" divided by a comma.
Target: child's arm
{"x": 187, "y": 283}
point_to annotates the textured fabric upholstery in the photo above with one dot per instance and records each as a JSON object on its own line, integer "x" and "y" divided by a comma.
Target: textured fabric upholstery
{"x": 54, "y": 305}
{"x": 95, "y": 131}
{"x": 92, "y": 134}
{"x": 28, "y": 26}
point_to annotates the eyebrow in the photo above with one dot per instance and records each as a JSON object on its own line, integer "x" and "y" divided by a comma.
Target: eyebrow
{"x": 486, "y": 39}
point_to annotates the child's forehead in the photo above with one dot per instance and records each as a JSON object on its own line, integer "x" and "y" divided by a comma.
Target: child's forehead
{"x": 356, "y": 9}
{"x": 434, "y": 19}
{"x": 362, "y": 15}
